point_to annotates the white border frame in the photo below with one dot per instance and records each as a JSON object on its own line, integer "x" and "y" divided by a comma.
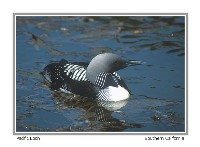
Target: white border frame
{"x": 100, "y": 133}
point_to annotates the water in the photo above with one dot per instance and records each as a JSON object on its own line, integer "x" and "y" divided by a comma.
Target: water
{"x": 157, "y": 103}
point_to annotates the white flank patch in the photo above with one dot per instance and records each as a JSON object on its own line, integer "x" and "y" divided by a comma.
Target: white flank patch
{"x": 115, "y": 93}
{"x": 65, "y": 91}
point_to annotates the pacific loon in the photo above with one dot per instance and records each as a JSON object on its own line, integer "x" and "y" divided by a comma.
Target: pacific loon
{"x": 98, "y": 79}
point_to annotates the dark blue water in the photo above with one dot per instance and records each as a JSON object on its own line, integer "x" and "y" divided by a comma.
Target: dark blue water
{"x": 157, "y": 103}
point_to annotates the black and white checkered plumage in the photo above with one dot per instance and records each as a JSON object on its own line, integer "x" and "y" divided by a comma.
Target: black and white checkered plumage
{"x": 97, "y": 79}
{"x": 105, "y": 79}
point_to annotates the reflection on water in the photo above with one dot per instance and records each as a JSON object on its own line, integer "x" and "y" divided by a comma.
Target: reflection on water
{"x": 94, "y": 112}
{"x": 113, "y": 106}
{"x": 157, "y": 103}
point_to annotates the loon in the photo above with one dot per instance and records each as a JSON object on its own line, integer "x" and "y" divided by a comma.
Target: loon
{"x": 97, "y": 79}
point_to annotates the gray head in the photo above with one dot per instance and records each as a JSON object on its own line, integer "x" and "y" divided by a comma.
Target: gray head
{"x": 108, "y": 63}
